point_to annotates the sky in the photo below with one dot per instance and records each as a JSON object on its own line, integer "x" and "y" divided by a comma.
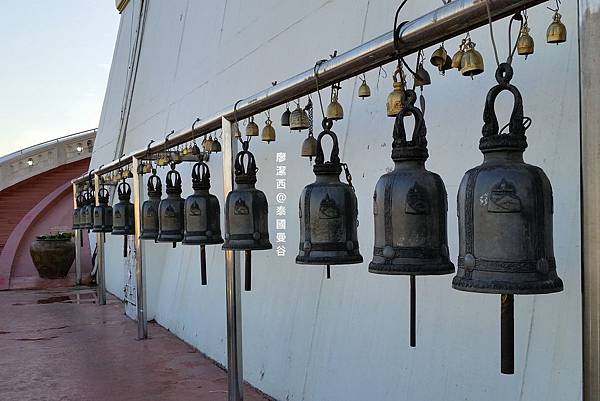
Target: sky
{"x": 55, "y": 58}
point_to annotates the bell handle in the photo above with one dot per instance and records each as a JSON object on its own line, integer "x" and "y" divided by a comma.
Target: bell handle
{"x": 200, "y": 172}
{"x": 123, "y": 189}
{"x": 335, "y": 150}
{"x": 419, "y": 132}
{"x": 176, "y": 182}
{"x": 154, "y": 183}
{"x": 516, "y": 124}
{"x": 103, "y": 193}
{"x": 249, "y": 168}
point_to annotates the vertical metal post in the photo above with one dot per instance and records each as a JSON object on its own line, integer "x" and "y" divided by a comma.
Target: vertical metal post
{"x": 78, "y": 243}
{"x": 589, "y": 80}
{"x": 100, "y": 278}
{"x": 140, "y": 277}
{"x": 235, "y": 371}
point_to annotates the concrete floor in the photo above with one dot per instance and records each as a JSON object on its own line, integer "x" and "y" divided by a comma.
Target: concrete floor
{"x": 58, "y": 344}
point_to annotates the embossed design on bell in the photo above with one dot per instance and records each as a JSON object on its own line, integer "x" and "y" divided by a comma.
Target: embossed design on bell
{"x": 248, "y": 231}
{"x": 328, "y": 211}
{"x": 240, "y": 207}
{"x": 510, "y": 250}
{"x": 417, "y": 201}
{"x": 170, "y": 210}
{"x": 149, "y": 223}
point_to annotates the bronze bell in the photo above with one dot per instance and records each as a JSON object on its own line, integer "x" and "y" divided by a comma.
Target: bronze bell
{"x": 309, "y": 146}
{"x": 285, "y": 117}
{"x": 268, "y": 132}
{"x": 472, "y": 61}
{"x": 395, "y": 100}
{"x": 410, "y": 207}
{"x": 207, "y": 144}
{"x": 123, "y": 218}
{"x": 103, "y": 213}
{"x": 457, "y": 58}
{"x": 422, "y": 77}
{"x": 149, "y": 223}
{"x": 505, "y": 218}
{"x": 557, "y": 31}
{"x": 202, "y": 215}
{"x": 328, "y": 213}
{"x": 299, "y": 119}
{"x": 246, "y": 212}
{"x": 335, "y": 111}
{"x": 87, "y": 213}
{"x": 252, "y": 128}
{"x": 215, "y": 146}
{"x": 170, "y": 210}
{"x": 525, "y": 42}
{"x": 77, "y": 212}
{"x": 364, "y": 90}
{"x": 438, "y": 57}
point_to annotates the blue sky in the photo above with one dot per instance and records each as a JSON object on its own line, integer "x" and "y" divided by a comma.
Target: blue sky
{"x": 54, "y": 65}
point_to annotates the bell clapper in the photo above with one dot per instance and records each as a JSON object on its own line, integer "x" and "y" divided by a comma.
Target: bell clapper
{"x": 507, "y": 334}
{"x": 203, "y": 264}
{"x": 413, "y": 311}
{"x": 247, "y": 270}
{"x": 125, "y": 246}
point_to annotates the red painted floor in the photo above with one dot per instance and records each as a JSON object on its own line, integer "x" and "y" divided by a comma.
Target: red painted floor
{"x": 58, "y": 344}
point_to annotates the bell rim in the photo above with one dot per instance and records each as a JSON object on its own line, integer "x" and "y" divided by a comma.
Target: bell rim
{"x": 550, "y": 286}
{"x": 411, "y": 269}
{"x": 229, "y": 247}
{"x": 321, "y": 261}
{"x": 216, "y": 241}
{"x": 148, "y": 236}
{"x": 122, "y": 232}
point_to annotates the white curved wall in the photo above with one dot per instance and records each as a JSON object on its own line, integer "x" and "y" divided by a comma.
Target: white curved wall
{"x": 307, "y": 338}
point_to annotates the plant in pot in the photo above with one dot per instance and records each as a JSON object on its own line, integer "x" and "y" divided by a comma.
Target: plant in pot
{"x": 53, "y": 254}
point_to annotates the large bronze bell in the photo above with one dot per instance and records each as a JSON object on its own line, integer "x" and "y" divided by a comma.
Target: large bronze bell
{"x": 170, "y": 210}
{"x": 123, "y": 214}
{"x": 246, "y": 212}
{"x": 149, "y": 223}
{"x": 202, "y": 215}
{"x": 103, "y": 213}
{"x": 410, "y": 208}
{"x": 557, "y": 31}
{"x": 328, "y": 212}
{"x": 80, "y": 202}
{"x": 472, "y": 61}
{"x": 87, "y": 212}
{"x": 505, "y": 218}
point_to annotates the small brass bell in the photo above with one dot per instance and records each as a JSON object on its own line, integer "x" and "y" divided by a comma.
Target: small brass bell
{"x": 285, "y": 117}
{"x": 472, "y": 61}
{"x": 334, "y": 109}
{"x": 235, "y": 128}
{"x": 447, "y": 65}
{"x": 364, "y": 90}
{"x": 557, "y": 31}
{"x": 422, "y": 77}
{"x": 246, "y": 212}
{"x": 299, "y": 119}
{"x": 252, "y": 128}
{"x": 147, "y": 168}
{"x": 103, "y": 213}
{"x": 149, "y": 223}
{"x": 309, "y": 147}
{"x": 207, "y": 143}
{"x": 457, "y": 58}
{"x": 268, "y": 132}
{"x": 162, "y": 161}
{"x": 175, "y": 156}
{"x": 525, "y": 42}
{"x": 395, "y": 100}
{"x": 438, "y": 58}
{"x": 215, "y": 146}
{"x": 170, "y": 214}
{"x": 202, "y": 222}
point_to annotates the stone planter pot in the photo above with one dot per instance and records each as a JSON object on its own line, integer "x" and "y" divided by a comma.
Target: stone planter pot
{"x": 52, "y": 257}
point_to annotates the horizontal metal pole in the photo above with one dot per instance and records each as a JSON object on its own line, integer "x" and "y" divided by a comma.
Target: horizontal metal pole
{"x": 450, "y": 20}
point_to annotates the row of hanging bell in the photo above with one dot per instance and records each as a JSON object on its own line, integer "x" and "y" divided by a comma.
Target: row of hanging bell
{"x": 328, "y": 212}
{"x": 246, "y": 213}
{"x": 410, "y": 211}
{"x": 505, "y": 218}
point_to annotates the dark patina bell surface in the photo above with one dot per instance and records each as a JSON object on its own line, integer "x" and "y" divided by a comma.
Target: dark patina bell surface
{"x": 328, "y": 212}
{"x": 170, "y": 215}
{"x": 149, "y": 223}
{"x": 123, "y": 218}
{"x": 77, "y": 212}
{"x": 246, "y": 208}
{"x": 202, "y": 212}
{"x": 87, "y": 212}
{"x": 505, "y": 211}
{"x": 103, "y": 213}
{"x": 410, "y": 207}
